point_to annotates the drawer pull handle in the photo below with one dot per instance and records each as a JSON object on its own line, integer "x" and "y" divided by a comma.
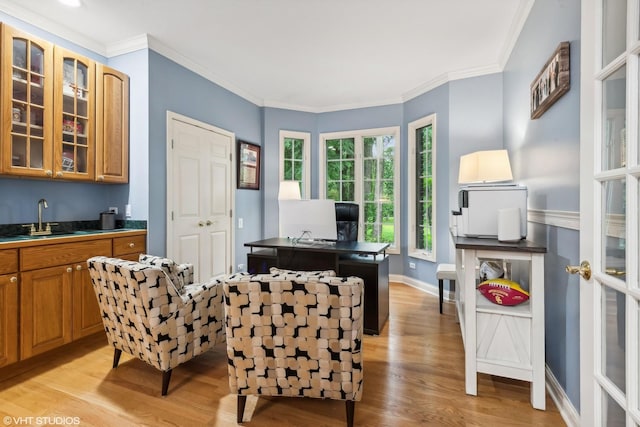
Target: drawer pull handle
{"x": 131, "y": 245}
{"x": 69, "y": 269}
{"x": 59, "y": 174}
{"x": 79, "y": 267}
{"x": 13, "y": 279}
{"x": 48, "y": 172}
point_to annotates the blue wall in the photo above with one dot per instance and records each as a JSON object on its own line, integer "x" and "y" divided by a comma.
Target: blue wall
{"x": 544, "y": 155}
{"x": 174, "y": 88}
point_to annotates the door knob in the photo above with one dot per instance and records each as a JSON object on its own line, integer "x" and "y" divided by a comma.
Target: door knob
{"x": 209, "y": 222}
{"x": 200, "y": 224}
{"x": 584, "y": 269}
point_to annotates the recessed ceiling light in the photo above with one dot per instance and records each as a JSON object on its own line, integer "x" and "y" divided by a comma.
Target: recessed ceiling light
{"x": 71, "y": 3}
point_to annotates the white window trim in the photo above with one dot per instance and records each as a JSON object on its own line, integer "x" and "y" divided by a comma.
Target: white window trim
{"x": 358, "y": 136}
{"x": 306, "y": 158}
{"x": 412, "y": 127}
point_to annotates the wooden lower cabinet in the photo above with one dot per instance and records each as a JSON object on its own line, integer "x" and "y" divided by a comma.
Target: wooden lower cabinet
{"x": 57, "y": 303}
{"x": 45, "y": 309}
{"x": 87, "y": 318}
{"x": 8, "y": 319}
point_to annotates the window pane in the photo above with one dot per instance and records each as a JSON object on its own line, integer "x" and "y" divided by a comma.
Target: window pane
{"x": 614, "y": 29}
{"x": 297, "y": 170}
{"x": 613, "y": 337}
{"x": 297, "y": 148}
{"x": 614, "y": 228}
{"x": 333, "y": 149}
{"x": 288, "y": 169}
{"x": 614, "y": 100}
{"x": 424, "y": 190}
{"x": 612, "y": 414}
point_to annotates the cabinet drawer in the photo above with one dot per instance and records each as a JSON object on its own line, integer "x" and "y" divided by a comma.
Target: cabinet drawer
{"x": 63, "y": 253}
{"x": 128, "y": 245}
{"x": 8, "y": 261}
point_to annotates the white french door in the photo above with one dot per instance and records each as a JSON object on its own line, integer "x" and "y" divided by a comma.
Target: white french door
{"x": 609, "y": 204}
{"x": 200, "y": 193}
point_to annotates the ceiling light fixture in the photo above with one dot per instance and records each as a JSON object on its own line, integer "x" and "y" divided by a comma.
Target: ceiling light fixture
{"x": 71, "y": 3}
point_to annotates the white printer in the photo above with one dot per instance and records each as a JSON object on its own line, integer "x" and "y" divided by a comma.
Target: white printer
{"x": 479, "y": 206}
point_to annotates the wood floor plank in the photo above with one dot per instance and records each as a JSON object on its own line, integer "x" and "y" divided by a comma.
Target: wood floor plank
{"x": 413, "y": 375}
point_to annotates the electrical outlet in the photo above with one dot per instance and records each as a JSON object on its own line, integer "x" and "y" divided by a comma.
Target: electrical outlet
{"x": 114, "y": 210}
{"x": 127, "y": 211}
{"x": 240, "y": 267}
{"x": 240, "y": 223}
{"x": 412, "y": 265}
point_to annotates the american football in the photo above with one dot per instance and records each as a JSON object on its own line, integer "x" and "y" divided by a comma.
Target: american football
{"x": 503, "y": 292}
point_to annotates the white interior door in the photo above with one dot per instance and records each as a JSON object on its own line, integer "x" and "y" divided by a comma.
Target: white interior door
{"x": 200, "y": 196}
{"x": 610, "y": 173}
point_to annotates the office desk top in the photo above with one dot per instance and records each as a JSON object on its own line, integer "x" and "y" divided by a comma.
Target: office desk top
{"x": 361, "y": 248}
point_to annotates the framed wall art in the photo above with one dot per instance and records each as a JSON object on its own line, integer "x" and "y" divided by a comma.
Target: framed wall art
{"x": 552, "y": 81}
{"x": 248, "y": 165}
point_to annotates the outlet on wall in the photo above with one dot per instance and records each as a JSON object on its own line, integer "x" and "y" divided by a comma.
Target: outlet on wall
{"x": 412, "y": 265}
{"x": 240, "y": 267}
{"x": 114, "y": 210}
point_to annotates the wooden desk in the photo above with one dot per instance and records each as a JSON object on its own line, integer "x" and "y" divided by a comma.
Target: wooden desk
{"x": 365, "y": 260}
{"x": 501, "y": 340}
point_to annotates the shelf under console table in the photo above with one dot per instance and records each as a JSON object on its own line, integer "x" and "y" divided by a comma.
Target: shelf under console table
{"x": 362, "y": 259}
{"x": 506, "y": 341}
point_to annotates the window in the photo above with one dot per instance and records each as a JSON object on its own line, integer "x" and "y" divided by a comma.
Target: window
{"x": 363, "y": 167}
{"x": 422, "y": 188}
{"x": 294, "y": 160}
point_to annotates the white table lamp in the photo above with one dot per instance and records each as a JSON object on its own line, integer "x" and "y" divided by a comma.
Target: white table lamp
{"x": 485, "y": 167}
{"x": 289, "y": 190}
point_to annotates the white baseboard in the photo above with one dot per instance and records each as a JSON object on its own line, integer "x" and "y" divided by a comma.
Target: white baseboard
{"x": 568, "y": 412}
{"x": 423, "y": 286}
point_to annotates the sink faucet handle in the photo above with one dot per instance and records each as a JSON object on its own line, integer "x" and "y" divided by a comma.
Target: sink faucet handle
{"x": 31, "y": 227}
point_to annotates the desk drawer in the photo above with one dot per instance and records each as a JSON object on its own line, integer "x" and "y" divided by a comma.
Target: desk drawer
{"x": 62, "y": 253}
{"x": 131, "y": 245}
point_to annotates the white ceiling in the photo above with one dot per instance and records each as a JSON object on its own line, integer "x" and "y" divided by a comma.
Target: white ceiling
{"x": 309, "y": 55}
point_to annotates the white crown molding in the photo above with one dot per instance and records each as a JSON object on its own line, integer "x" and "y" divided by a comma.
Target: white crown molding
{"x": 285, "y": 106}
{"x": 45, "y": 24}
{"x": 567, "y": 411}
{"x": 147, "y": 42}
{"x": 128, "y": 45}
{"x": 514, "y": 32}
{"x": 191, "y": 65}
{"x": 563, "y": 219}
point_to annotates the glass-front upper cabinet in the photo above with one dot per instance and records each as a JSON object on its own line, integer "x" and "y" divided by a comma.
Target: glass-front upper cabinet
{"x": 27, "y": 104}
{"x": 74, "y": 142}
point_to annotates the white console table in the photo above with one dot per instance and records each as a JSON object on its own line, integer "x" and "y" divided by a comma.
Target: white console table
{"x": 506, "y": 341}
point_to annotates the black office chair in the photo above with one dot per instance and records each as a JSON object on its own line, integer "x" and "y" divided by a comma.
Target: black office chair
{"x": 347, "y": 216}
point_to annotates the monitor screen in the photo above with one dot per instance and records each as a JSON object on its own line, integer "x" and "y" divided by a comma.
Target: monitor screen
{"x": 308, "y": 219}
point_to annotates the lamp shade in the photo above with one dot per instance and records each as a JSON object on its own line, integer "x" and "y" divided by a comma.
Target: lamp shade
{"x": 289, "y": 190}
{"x": 485, "y": 166}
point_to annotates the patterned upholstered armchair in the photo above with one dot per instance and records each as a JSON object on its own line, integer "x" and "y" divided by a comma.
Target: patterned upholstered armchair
{"x": 294, "y": 335}
{"x": 151, "y": 310}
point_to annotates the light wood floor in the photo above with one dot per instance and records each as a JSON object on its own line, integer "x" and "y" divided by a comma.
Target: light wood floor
{"x": 413, "y": 375}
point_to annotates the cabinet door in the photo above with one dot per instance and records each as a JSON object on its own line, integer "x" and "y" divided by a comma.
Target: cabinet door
{"x": 74, "y": 116}
{"x": 27, "y": 104}
{"x": 112, "y": 125}
{"x": 45, "y": 310}
{"x": 87, "y": 318}
{"x": 8, "y": 319}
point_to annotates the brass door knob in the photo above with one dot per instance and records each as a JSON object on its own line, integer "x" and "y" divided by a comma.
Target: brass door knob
{"x": 584, "y": 269}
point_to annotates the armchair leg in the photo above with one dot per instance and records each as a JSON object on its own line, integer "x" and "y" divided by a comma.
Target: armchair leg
{"x": 351, "y": 408}
{"x": 116, "y": 357}
{"x": 242, "y": 400}
{"x": 166, "y": 377}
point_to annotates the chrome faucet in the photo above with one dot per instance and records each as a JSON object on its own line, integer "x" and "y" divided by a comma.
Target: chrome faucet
{"x": 41, "y": 203}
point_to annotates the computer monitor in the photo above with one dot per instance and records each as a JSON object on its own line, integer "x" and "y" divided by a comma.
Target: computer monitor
{"x": 308, "y": 219}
